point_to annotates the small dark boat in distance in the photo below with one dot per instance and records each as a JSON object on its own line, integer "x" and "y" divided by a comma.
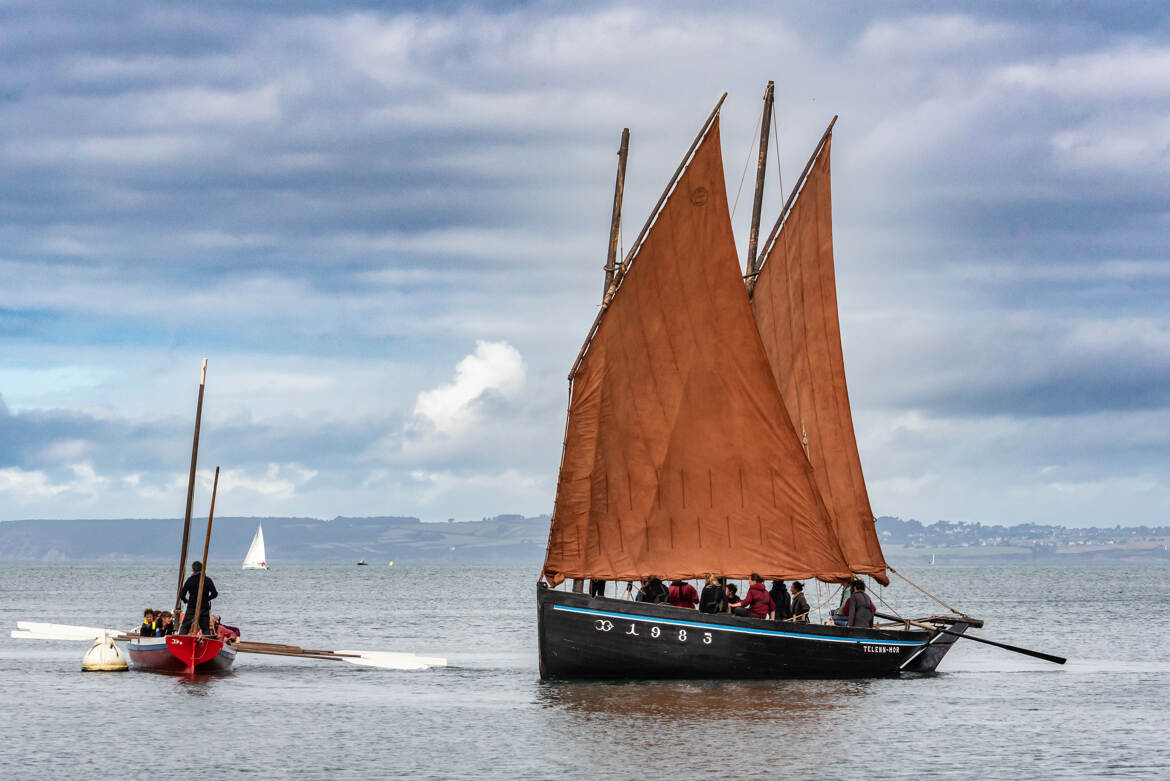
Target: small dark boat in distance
{"x": 362, "y": 563}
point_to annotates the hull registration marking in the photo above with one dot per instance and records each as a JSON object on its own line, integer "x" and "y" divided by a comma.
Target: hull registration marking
{"x": 740, "y": 630}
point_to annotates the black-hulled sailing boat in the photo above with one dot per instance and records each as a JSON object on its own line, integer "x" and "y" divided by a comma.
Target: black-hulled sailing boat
{"x": 709, "y": 431}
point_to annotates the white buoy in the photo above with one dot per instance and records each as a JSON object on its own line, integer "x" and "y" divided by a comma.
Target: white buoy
{"x": 103, "y": 655}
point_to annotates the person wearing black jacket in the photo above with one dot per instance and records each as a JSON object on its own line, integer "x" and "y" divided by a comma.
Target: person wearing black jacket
{"x": 714, "y": 597}
{"x": 653, "y": 590}
{"x": 189, "y": 595}
{"x": 149, "y": 626}
{"x": 782, "y": 599}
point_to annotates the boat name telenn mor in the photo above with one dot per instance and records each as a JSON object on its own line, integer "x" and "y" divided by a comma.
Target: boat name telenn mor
{"x": 709, "y": 433}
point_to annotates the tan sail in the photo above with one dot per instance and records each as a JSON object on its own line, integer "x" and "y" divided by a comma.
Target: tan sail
{"x": 679, "y": 456}
{"x": 795, "y": 305}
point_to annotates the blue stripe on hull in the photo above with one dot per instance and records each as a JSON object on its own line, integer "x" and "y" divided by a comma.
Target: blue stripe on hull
{"x": 741, "y": 630}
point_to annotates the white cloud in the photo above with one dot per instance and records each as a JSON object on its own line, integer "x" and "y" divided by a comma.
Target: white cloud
{"x": 278, "y": 481}
{"x": 494, "y": 367}
{"x": 20, "y": 484}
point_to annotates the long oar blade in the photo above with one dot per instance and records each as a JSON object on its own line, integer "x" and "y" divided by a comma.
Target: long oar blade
{"x": 1006, "y": 647}
{"x": 389, "y": 660}
{"x": 43, "y": 631}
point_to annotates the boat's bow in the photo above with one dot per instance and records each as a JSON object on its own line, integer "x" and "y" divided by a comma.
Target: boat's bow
{"x": 194, "y": 650}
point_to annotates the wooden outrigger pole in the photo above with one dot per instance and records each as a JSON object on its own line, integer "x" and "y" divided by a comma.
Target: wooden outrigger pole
{"x": 761, "y": 170}
{"x": 190, "y": 492}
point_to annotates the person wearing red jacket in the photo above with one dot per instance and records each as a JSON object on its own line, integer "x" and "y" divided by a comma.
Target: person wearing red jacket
{"x": 682, "y": 594}
{"x": 757, "y": 603}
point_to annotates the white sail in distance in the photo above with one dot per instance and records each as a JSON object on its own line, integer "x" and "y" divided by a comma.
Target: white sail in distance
{"x": 255, "y": 558}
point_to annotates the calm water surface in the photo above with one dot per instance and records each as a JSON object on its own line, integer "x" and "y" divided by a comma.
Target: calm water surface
{"x": 986, "y": 714}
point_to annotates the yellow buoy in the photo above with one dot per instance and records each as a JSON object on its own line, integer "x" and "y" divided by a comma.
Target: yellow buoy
{"x": 391, "y": 564}
{"x": 103, "y": 656}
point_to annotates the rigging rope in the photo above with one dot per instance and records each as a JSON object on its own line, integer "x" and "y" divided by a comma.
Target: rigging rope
{"x": 746, "y": 162}
{"x": 776, "y": 135}
{"x": 924, "y": 591}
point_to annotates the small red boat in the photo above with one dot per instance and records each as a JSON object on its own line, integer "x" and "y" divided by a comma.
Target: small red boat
{"x": 182, "y": 654}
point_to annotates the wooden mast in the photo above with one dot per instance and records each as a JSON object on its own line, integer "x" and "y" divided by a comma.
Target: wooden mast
{"x": 615, "y": 222}
{"x": 761, "y": 170}
{"x": 203, "y": 567}
{"x": 792, "y": 199}
{"x": 190, "y": 491}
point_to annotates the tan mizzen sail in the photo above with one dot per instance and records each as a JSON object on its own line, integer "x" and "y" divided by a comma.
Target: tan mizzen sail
{"x": 679, "y": 455}
{"x": 795, "y": 305}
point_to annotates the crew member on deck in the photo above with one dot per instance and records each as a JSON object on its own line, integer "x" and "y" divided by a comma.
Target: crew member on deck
{"x": 149, "y": 627}
{"x": 859, "y": 608}
{"x": 189, "y": 595}
{"x": 783, "y": 601}
{"x": 757, "y": 603}
{"x": 714, "y": 597}
{"x": 800, "y": 608}
{"x": 166, "y": 624}
{"x": 653, "y": 590}
{"x": 682, "y": 594}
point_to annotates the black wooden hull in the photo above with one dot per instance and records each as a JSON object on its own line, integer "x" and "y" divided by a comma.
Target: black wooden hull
{"x": 614, "y": 639}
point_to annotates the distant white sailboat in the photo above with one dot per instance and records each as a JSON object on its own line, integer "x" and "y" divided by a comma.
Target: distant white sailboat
{"x": 255, "y": 558}
{"x": 931, "y": 557}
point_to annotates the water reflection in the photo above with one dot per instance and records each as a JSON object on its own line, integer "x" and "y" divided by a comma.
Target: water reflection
{"x": 808, "y": 701}
{"x": 198, "y": 685}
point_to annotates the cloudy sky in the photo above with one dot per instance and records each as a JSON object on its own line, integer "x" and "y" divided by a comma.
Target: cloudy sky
{"x": 385, "y": 230}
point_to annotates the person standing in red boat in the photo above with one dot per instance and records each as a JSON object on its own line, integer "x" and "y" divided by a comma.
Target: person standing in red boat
{"x": 757, "y": 603}
{"x": 189, "y": 594}
{"x": 682, "y": 594}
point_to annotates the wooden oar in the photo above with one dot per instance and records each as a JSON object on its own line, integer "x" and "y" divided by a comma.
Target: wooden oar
{"x": 966, "y": 636}
{"x": 385, "y": 659}
{"x": 1006, "y": 647}
{"x": 36, "y": 630}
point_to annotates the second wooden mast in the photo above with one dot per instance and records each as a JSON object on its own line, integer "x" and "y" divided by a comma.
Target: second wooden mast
{"x": 753, "y": 266}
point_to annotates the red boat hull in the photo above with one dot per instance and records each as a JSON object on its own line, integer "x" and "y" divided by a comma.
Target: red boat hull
{"x": 181, "y": 654}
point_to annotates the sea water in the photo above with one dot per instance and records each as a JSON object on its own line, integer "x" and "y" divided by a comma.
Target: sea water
{"x": 987, "y": 713}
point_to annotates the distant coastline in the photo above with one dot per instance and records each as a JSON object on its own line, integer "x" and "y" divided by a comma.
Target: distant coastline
{"x": 516, "y": 539}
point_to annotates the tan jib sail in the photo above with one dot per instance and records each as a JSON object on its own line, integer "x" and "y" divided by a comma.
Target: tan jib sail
{"x": 679, "y": 456}
{"x": 795, "y": 304}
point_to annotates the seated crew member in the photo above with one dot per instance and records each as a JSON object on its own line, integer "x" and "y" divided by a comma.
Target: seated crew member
{"x": 166, "y": 624}
{"x": 782, "y": 600}
{"x": 732, "y": 595}
{"x": 596, "y": 588}
{"x": 859, "y": 608}
{"x": 149, "y": 627}
{"x": 800, "y": 608}
{"x": 714, "y": 596}
{"x": 757, "y": 603}
{"x": 189, "y": 595}
{"x": 226, "y": 631}
{"x": 682, "y": 594}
